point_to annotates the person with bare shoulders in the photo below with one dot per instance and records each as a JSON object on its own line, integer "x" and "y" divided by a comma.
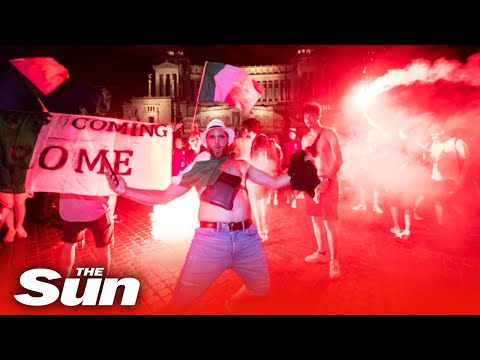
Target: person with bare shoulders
{"x": 242, "y": 144}
{"x": 253, "y": 147}
{"x": 226, "y": 237}
{"x": 451, "y": 162}
{"x": 327, "y": 157}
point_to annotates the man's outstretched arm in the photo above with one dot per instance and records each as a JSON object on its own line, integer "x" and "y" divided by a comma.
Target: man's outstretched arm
{"x": 262, "y": 178}
{"x": 145, "y": 196}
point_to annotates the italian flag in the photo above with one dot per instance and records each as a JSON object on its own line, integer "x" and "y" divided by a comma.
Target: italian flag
{"x": 231, "y": 85}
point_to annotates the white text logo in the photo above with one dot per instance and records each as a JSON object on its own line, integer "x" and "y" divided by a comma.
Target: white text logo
{"x": 97, "y": 291}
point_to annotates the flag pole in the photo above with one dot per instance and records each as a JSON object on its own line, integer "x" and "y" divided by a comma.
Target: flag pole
{"x": 198, "y": 95}
{"x": 44, "y": 109}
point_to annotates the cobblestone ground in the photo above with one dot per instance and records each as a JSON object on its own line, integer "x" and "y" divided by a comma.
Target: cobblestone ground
{"x": 435, "y": 273}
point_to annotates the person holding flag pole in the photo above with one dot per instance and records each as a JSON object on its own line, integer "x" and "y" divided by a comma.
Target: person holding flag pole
{"x": 226, "y": 237}
{"x": 42, "y": 75}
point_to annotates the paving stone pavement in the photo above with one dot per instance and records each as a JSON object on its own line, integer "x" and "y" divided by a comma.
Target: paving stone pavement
{"x": 434, "y": 273}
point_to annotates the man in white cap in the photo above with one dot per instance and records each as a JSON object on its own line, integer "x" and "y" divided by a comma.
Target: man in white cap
{"x": 226, "y": 237}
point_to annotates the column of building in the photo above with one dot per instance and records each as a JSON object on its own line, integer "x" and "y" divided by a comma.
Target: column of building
{"x": 161, "y": 85}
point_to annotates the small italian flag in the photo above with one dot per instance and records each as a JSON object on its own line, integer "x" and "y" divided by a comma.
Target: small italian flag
{"x": 231, "y": 85}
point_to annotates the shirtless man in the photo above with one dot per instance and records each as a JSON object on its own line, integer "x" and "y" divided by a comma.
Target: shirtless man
{"x": 243, "y": 143}
{"x": 226, "y": 238}
{"x": 328, "y": 159}
{"x": 450, "y": 165}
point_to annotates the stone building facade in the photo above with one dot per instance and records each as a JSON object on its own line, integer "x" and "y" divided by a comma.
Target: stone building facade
{"x": 176, "y": 84}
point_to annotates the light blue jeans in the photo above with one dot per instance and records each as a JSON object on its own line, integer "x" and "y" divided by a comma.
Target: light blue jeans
{"x": 211, "y": 253}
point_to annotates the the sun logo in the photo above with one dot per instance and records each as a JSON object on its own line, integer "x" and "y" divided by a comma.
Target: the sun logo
{"x": 98, "y": 291}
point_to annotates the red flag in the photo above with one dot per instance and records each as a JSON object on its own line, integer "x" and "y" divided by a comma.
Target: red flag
{"x": 45, "y": 73}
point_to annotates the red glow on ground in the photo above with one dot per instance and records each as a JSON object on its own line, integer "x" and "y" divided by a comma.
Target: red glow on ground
{"x": 177, "y": 220}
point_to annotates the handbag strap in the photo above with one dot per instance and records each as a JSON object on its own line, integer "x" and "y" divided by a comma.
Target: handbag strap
{"x": 313, "y": 147}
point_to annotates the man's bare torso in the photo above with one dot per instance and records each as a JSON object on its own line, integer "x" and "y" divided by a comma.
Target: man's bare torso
{"x": 324, "y": 159}
{"x": 241, "y": 205}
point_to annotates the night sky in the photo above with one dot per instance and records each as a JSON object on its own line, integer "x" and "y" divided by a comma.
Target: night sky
{"x": 124, "y": 68}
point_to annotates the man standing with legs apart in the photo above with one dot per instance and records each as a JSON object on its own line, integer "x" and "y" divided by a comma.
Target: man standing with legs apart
{"x": 226, "y": 237}
{"x": 82, "y": 212}
{"x": 327, "y": 157}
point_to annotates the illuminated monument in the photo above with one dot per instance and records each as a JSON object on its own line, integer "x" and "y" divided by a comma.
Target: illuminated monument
{"x": 287, "y": 86}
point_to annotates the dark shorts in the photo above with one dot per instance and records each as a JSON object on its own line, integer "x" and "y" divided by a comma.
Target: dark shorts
{"x": 102, "y": 230}
{"x": 441, "y": 190}
{"x": 327, "y": 208}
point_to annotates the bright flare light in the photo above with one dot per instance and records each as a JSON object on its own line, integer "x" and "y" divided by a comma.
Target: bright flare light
{"x": 177, "y": 220}
{"x": 364, "y": 97}
{"x": 363, "y": 100}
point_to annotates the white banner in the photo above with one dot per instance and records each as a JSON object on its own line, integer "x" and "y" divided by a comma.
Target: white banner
{"x": 70, "y": 152}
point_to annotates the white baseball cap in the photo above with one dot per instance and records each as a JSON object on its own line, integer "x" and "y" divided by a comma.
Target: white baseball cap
{"x": 217, "y": 123}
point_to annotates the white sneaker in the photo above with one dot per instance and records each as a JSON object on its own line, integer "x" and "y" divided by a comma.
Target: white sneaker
{"x": 275, "y": 201}
{"x": 263, "y": 236}
{"x": 396, "y": 232}
{"x": 361, "y": 207}
{"x": 317, "y": 258}
{"x": 417, "y": 217}
{"x": 269, "y": 199}
{"x": 334, "y": 272}
{"x": 377, "y": 209}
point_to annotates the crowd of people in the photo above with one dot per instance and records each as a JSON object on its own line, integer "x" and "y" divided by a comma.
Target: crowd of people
{"x": 238, "y": 175}
{"x": 233, "y": 177}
